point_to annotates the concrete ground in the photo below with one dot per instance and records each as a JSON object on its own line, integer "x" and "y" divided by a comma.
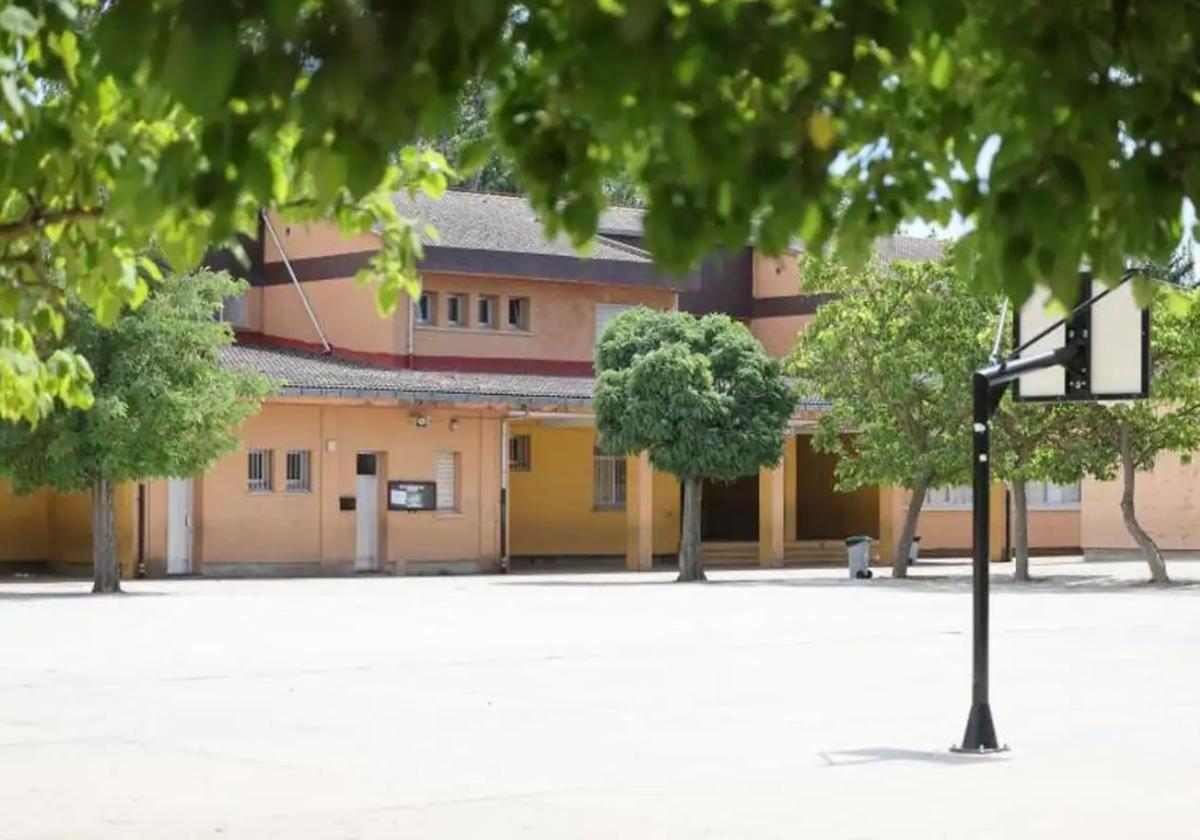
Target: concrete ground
{"x": 789, "y": 704}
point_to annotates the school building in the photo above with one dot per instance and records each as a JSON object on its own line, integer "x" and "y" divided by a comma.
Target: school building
{"x": 457, "y": 433}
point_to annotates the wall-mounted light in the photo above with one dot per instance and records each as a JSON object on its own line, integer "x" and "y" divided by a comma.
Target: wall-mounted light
{"x": 331, "y": 445}
{"x": 454, "y": 424}
{"x": 420, "y": 421}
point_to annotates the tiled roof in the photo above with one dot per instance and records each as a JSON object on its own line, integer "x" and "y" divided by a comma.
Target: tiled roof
{"x": 492, "y": 222}
{"x": 297, "y": 373}
{"x": 305, "y": 373}
{"x": 909, "y": 248}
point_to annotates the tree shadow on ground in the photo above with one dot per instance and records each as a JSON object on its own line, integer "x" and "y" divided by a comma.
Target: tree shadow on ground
{"x": 11, "y": 592}
{"x": 922, "y": 583}
{"x": 878, "y": 755}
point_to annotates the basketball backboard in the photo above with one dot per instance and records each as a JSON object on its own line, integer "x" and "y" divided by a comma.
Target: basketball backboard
{"x": 1114, "y": 337}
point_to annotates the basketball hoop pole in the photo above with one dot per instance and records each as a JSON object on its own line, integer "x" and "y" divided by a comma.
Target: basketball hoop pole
{"x": 988, "y": 386}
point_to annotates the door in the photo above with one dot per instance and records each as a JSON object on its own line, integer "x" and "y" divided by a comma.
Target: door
{"x": 367, "y": 514}
{"x": 179, "y": 526}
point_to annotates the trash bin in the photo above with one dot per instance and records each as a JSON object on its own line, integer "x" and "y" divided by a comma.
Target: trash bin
{"x": 914, "y": 551}
{"x": 858, "y": 557}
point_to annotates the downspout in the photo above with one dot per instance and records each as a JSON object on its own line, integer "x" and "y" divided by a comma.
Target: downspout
{"x": 312, "y": 317}
{"x": 504, "y": 555}
{"x": 408, "y": 345}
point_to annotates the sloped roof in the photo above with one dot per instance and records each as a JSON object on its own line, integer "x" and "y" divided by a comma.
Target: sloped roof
{"x": 909, "y": 248}
{"x": 495, "y": 222}
{"x": 299, "y": 373}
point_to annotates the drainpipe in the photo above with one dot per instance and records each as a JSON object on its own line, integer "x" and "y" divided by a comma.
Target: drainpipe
{"x": 312, "y": 317}
{"x": 409, "y": 341}
{"x": 504, "y": 556}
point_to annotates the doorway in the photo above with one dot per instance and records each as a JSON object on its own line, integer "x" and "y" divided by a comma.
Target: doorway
{"x": 366, "y": 505}
{"x": 180, "y": 536}
{"x": 729, "y": 510}
{"x": 822, "y": 512}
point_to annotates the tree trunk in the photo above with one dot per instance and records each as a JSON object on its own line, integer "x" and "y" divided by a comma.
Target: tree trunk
{"x": 904, "y": 547}
{"x": 1154, "y": 558}
{"x": 691, "y": 554}
{"x": 1021, "y": 530}
{"x": 106, "y": 571}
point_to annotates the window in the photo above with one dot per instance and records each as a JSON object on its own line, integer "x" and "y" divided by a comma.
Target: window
{"x": 518, "y": 313}
{"x": 948, "y": 498}
{"x": 446, "y": 477}
{"x": 233, "y": 311}
{"x": 261, "y": 463}
{"x": 456, "y": 315}
{"x": 605, "y": 312}
{"x": 485, "y": 313}
{"x": 296, "y": 476}
{"x": 519, "y": 452}
{"x": 609, "y": 476}
{"x": 427, "y": 308}
{"x": 1043, "y": 494}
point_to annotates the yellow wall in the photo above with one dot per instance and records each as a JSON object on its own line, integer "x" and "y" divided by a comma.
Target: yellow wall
{"x": 550, "y": 506}
{"x": 24, "y": 530}
{"x": 57, "y": 528}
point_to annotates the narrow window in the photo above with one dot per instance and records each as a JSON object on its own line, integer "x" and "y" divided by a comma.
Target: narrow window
{"x": 609, "y": 481}
{"x": 446, "y": 476}
{"x": 427, "y": 308}
{"x": 518, "y": 313}
{"x": 456, "y": 315}
{"x": 296, "y": 478}
{"x": 948, "y": 498}
{"x": 260, "y": 464}
{"x": 1044, "y": 494}
{"x": 485, "y": 314}
{"x": 519, "y": 453}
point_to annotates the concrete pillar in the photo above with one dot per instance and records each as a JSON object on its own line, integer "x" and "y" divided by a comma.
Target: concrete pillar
{"x": 791, "y": 512}
{"x": 639, "y": 513}
{"x": 996, "y": 522}
{"x": 771, "y": 516}
{"x": 889, "y": 523}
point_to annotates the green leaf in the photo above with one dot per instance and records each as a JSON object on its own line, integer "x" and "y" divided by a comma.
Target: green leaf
{"x": 12, "y": 94}
{"x": 19, "y": 21}
{"x": 942, "y": 71}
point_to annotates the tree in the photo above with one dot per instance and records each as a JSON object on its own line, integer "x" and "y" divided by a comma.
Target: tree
{"x": 163, "y": 405}
{"x": 894, "y": 353}
{"x": 1061, "y": 130}
{"x": 699, "y": 395}
{"x": 1120, "y": 440}
{"x": 1033, "y": 442}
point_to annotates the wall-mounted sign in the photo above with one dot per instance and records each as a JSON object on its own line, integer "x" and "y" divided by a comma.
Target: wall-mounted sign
{"x": 412, "y": 495}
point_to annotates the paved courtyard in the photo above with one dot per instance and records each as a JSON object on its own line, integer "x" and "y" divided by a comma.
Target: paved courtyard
{"x": 789, "y": 704}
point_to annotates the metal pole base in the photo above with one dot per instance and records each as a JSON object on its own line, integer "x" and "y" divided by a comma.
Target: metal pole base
{"x": 980, "y": 735}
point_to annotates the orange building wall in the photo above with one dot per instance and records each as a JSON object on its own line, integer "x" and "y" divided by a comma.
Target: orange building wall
{"x": 775, "y": 276}
{"x": 345, "y": 310}
{"x": 315, "y": 239}
{"x": 1167, "y": 502}
{"x": 778, "y": 335}
{"x": 24, "y": 525}
{"x": 235, "y": 527}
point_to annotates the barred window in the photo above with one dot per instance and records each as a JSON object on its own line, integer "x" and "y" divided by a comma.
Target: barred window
{"x": 446, "y": 476}
{"x": 1048, "y": 495}
{"x": 609, "y": 481}
{"x": 296, "y": 479}
{"x": 520, "y": 453}
{"x": 260, "y": 463}
{"x": 949, "y": 498}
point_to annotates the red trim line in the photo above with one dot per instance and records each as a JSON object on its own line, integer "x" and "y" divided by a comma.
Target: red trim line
{"x": 464, "y": 364}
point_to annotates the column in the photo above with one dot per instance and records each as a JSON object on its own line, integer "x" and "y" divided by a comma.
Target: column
{"x": 639, "y": 513}
{"x": 889, "y": 523}
{"x": 770, "y": 516}
{"x": 791, "y": 511}
{"x": 997, "y": 521}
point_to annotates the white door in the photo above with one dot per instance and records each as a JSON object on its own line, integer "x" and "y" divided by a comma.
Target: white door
{"x": 366, "y": 506}
{"x": 179, "y": 526}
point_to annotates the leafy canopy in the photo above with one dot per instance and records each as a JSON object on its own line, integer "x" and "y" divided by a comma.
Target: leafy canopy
{"x": 163, "y": 405}
{"x": 894, "y": 353}
{"x": 698, "y": 394}
{"x": 1062, "y": 130}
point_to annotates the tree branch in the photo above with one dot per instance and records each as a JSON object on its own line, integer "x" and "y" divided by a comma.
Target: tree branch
{"x": 36, "y": 219}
